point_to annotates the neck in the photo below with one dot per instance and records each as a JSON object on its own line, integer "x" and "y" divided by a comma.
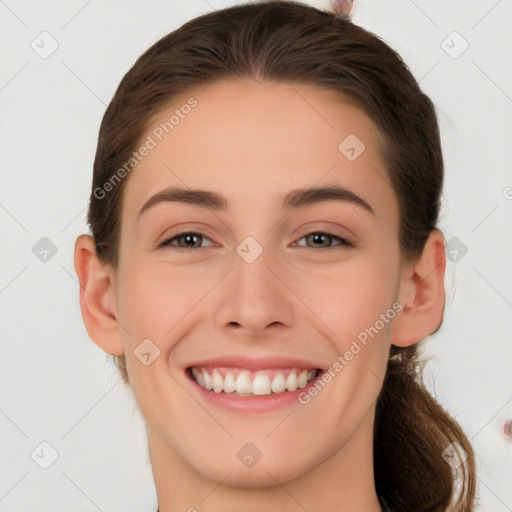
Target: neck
{"x": 343, "y": 482}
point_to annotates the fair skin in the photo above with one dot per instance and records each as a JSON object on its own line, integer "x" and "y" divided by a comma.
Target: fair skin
{"x": 302, "y": 298}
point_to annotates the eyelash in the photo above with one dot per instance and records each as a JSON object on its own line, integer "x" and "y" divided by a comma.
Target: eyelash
{"x": 343, "y": 242}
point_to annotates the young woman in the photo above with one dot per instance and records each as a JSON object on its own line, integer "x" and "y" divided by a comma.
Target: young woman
{"x": 264, "y": 261}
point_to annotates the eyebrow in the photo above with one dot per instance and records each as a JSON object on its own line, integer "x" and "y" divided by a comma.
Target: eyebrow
{"x": 297, "y": 198}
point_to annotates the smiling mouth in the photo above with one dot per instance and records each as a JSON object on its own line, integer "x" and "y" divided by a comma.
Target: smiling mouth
{"x": 242, "y": 382}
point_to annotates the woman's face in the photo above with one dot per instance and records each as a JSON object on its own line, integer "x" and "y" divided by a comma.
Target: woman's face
{"x": 275, "y": 281}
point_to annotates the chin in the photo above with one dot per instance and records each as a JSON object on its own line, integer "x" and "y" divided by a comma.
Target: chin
{"x": 264, "y": 473}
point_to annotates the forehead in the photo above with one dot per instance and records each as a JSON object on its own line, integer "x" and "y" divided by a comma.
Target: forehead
{"x": 256, "y": 141}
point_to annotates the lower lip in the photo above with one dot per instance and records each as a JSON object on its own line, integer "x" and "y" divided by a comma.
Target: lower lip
{"x": 256, "y": 403}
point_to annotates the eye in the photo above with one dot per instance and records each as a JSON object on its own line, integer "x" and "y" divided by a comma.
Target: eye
{"x": 320, "y": 237}
{"x": 193, "y": 240}
{"x": 186, "y": 240}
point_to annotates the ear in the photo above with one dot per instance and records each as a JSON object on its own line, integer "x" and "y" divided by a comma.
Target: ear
{"x": 96, "y": 293}
{"x": 421, "y": 294}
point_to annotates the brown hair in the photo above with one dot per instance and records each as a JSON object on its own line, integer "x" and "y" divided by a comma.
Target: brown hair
{"x": 291, "y": 42}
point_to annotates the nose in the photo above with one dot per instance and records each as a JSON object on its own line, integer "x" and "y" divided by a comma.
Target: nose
{"x": 255, "y": 297}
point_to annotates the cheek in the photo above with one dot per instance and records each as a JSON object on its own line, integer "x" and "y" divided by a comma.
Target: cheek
{"x": 154, "y": 300}
{"x": 155, "y": 296}
{"x": 352, "y": 297}
{"x": 357, "y": 307}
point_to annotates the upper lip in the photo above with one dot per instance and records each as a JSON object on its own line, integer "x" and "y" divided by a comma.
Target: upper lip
{"x": 255, "y": 364}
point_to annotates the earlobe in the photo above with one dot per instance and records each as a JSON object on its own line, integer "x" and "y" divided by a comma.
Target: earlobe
{"x": 96, "y": 297}
{"x": 422, "y": 294}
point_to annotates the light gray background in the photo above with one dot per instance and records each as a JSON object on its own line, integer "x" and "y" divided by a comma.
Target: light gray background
{"x": 57, "y": 387}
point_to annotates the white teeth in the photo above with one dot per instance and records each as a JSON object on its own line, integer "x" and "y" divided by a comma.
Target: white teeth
{"x": 261, "y": 385}
{"x": 279, "y": 383}
{"x": 199, "y": 376}
{"x": 291, "y": 382}
{"x": 248, "y": 383}
{"x": 208, "y": 383}
{"x": 229, "y": 383}
{"x": 243, "y": 383}
{"x": 218, "y": 382}
{"x": 302, "y": 379}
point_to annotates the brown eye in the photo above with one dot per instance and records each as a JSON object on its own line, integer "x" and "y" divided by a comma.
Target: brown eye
{"x": 186, "y": 240}
{"x": 320, "y": 240}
